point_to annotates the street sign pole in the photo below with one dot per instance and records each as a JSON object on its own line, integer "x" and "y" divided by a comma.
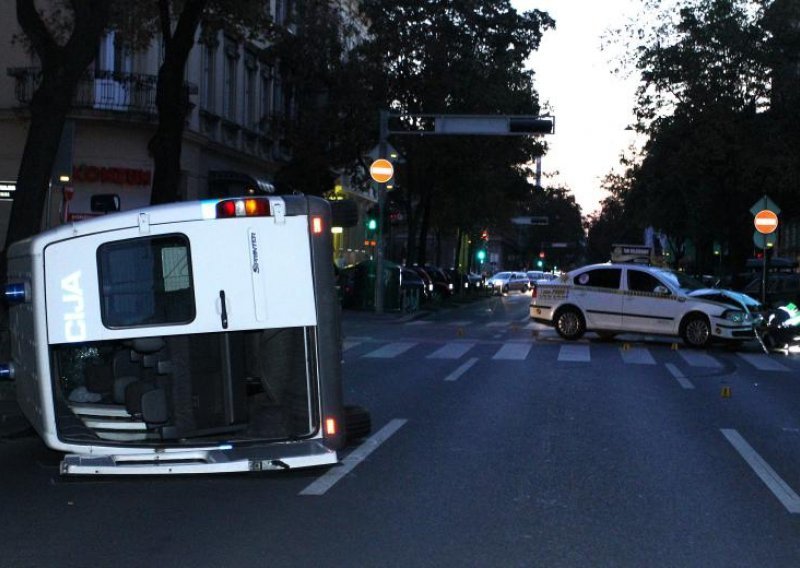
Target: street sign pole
{"x": 765, "y": 218}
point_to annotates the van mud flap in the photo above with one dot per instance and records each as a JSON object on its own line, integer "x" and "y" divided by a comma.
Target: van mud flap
{"x": 203, "y": 461}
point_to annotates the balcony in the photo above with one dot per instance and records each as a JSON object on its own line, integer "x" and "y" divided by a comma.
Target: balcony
{"x": 132, "y": 93}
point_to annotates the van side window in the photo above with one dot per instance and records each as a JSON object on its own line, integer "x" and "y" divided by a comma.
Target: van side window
{"x": 146, "y": 281}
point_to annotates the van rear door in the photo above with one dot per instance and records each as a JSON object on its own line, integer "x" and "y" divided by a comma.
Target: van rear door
{"x": 183, "y": 277}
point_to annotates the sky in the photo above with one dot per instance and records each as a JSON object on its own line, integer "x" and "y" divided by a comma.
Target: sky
{"x": 592, "y": 107}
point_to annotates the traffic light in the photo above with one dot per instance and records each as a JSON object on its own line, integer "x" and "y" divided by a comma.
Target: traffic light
{"x": 481, "y": 255}
{"x": 371, "y": 221}
{"x": 484, "y": 235}
{"x": 539, "y": 263}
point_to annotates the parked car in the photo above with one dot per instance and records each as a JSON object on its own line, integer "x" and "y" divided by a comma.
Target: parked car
{"x": 426, "y": 278}
{"x": 612, "y": 298}
{"x": 442, "y": 286}
{"x": 505, "y": 282}
{"x": 459, "y": 280}
{"x": 476, "y": 282}
{"x": 536, "y": 275}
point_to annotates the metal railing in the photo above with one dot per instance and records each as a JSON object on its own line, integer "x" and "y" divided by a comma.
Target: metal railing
{"x": 99, "y": 89}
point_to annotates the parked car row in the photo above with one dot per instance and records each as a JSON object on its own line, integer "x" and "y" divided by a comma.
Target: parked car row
{"x": 406, "y": 287}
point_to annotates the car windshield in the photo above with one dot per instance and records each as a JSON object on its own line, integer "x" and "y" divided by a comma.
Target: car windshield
{"x": 502, "y": 276}
{"x": 680, "y": 280}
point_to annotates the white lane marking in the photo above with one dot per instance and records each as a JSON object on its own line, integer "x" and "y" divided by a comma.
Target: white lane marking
{"x": 682, "y": 380}
{"x": 349, "y": 344}
{"x": 762, "y": 469}
{"x": 696, "y": 359}
{"x": 453, "y": 350}
{"x": 574, "y": 353}
{"x": 515, "y": 351}
{"x": 418, "y": 322}
{"x": 637, "y": 356}
{"x": 390, "y": 350}
{"x": 763, "y": 362}
{"x": 329, "y": 478}
{"x": 455, "y": 375}
{"x": 498, "y": 324}
{"x": 462, "y": 323}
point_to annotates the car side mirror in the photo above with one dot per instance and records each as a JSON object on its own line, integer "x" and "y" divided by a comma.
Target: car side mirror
{"x": 661, "y": 290}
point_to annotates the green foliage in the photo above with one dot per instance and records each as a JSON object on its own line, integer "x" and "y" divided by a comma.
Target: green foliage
{"x": 440, "y": 57}
{"x": 717, "y": 136}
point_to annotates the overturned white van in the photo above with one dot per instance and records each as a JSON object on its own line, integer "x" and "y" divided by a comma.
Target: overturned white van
{"x": 193, "y": 337}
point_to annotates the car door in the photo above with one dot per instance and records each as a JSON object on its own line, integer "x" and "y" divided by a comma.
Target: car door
{"x": 597, "y": 292}
{"x": 649, "y": 305}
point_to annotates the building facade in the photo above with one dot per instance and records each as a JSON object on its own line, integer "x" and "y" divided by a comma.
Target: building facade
{"x": 233, "y": 142}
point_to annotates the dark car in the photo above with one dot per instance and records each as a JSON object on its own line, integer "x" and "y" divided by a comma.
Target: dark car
{"x": 459, "y": 280}
{"x": 442, "y": 286}
{"x": 426, "y": 278}
{"x": 782, "y": 288}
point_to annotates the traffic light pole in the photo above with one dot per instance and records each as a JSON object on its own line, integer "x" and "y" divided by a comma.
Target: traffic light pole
{"x": 383, "y": 131}
{"x": 443, "y": 124}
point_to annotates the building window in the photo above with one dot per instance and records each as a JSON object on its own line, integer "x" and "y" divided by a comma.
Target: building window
{"x": 229, "y": 79}
{"x": 250, "y": 101}
{"x": 267, "y": 80}
{"x": 208, "y": 76}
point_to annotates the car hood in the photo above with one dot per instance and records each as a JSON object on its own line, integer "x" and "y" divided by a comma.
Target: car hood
{"x": 737, "y": 297}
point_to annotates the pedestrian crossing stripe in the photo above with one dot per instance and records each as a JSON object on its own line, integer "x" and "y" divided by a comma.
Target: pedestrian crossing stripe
{"x": 569, "y": 352}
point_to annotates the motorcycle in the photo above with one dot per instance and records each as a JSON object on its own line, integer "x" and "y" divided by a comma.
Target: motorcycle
{"x": 780, "y": 330}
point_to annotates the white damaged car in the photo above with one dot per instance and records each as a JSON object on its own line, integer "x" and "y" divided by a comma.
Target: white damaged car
{"x": 614, "y": 298}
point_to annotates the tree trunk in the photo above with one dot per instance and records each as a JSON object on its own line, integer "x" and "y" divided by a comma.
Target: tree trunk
{"x": 49, "y": 108}
{"x": 172, "y": 101}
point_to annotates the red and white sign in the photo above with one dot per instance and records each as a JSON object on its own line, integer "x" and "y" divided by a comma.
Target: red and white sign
{"x": 766, "y": 221}
{"x": 381, "y": 170}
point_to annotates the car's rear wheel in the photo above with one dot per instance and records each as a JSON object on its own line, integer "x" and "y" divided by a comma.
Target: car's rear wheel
{"x": 570, "y": 324}
{"x": 696, "y": 331}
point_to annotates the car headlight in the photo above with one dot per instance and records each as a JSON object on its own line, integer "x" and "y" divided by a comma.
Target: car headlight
{"x": 735, "y": 316}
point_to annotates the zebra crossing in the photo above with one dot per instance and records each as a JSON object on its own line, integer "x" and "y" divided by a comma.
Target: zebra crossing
{"x": 521, "y": 350}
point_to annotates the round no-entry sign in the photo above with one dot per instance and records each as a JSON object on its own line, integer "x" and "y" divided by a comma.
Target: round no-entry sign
{"x": 381, "y": 170}
{"x": 766, "y": 221}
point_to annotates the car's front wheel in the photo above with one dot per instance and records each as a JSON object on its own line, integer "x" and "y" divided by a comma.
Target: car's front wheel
{"x": 696, "y": 331}
{"x": 570, "y": 324}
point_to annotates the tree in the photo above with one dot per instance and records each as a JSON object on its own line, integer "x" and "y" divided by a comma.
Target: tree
{"x": 715, "y": 140}
{"x": 437, "y": 56}
{"x": 333, "y": 120}
{"x": 179, "y": 22}
{"x": 65, "y": 43}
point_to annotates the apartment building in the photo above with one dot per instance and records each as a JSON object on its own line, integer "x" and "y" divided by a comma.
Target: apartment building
{"x": 233, "y": 141}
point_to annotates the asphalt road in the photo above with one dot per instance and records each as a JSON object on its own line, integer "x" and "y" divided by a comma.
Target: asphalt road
{"x": 495, "y": 444}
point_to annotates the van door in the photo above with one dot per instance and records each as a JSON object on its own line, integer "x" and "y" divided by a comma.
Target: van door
{"x": 186, "y": 277}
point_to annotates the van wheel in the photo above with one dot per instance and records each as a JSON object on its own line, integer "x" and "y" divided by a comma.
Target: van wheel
{"x": 696, "y": 331}
{"x": 570, "y": 324}
{"x": 357, "y": 423}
